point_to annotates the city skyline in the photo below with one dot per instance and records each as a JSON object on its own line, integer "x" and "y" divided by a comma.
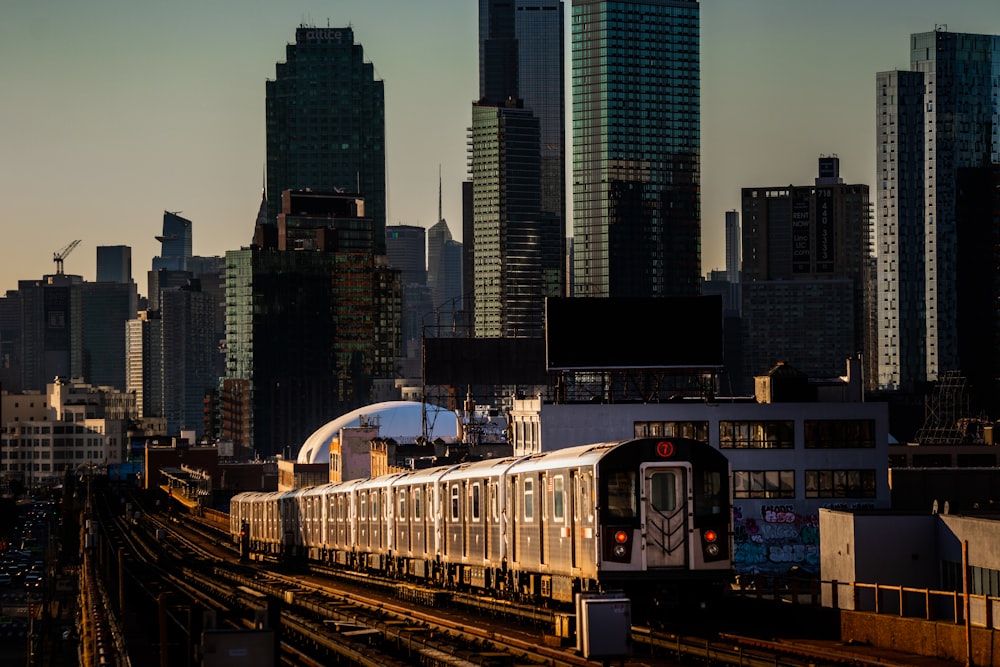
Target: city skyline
{"x": 114, "y": 113}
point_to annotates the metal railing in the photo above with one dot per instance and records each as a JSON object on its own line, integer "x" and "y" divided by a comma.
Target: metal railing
{"x": 903, "y": 601}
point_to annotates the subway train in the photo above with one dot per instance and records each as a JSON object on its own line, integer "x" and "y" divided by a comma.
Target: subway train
{"x": 649, "y": 517}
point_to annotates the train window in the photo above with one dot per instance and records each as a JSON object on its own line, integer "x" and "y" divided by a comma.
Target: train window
{"x": 454, "y": 502}
{"x": 362, "y": 513}
{"x": 475, "y": 501}
{"x": 621, "y": 495}
{"x": 529, "y": 499}
{"x": 663, "y": 490}
{"x": 402, "y": 504}
{"x": 494, "y": 501}
{"x": 417, "y": 494}
{"x": 373, "y": 511}
{"x": 558, "y": 500}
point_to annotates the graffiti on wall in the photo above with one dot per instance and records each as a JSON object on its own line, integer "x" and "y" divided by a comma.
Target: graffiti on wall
{"x": 775, "y": 541}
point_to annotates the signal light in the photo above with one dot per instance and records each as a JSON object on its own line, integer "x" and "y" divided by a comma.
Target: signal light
{"x": 711, "y": 536}
{"x": 621, "y": 537}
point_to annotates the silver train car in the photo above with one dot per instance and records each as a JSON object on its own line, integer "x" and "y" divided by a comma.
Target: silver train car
{"x": 648, "y": 516}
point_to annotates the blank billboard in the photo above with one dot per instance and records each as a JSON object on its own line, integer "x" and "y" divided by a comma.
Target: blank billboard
{"x": 634, "y": 333}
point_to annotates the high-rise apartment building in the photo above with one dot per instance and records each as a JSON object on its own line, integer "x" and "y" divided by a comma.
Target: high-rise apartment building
{"x": 937, "y": 151}
{"x": 325, "y": 123}
{"x": 517, "y": 162}
{"x": 804, "y": 282}
{"x": 636, "y": 148}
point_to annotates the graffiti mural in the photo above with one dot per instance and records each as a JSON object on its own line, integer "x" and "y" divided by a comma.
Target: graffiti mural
{"x": 775, "y": 541}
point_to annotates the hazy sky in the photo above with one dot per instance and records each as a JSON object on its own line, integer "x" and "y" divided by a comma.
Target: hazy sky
{"x": 113, "y": 111}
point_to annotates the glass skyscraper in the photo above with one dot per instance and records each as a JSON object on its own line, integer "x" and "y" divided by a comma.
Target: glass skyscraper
{"x": 937, "y": 152}
{"x": 636, "y": 148}
{"x": 325, "y": 123}
{"x": 518, "y": 168}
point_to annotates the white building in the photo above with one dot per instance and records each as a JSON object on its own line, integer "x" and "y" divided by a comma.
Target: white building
{"x": 44, "y": 435}
{"x": 788, "y": 459}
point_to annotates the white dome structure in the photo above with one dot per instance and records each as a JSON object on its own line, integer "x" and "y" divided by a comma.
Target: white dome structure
{"x": 400, "y": 420}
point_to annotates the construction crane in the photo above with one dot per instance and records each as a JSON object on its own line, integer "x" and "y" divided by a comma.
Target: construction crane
{"x": 58, "y": 257}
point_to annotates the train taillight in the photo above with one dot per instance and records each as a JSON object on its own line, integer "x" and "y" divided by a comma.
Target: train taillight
{"x": 621, "y": 538}
{"x": 711, "y": 542}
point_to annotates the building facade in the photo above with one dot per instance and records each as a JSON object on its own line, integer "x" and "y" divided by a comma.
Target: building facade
{"x": 517, "y": 158}
{"x": 66, "y": 428}
{"x": 788, "y": 459}
{"x": 517, "y": 247}
{"x": 325, "y": 123}
{"x": 311, "y": 331}
{"x": 936, "y": 134}
{"x": 805, "y": 274}
{"x": 636, "y": 148}
{"x": 114, "y": 264}
{"x": 51, "y": 343}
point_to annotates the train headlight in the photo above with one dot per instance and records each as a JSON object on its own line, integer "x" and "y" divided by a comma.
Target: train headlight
{"x": 711, "y": 536}
{"x": 621, "y": 537}
{"x": 620, "y": 551}
{"x": 712, "y": 549}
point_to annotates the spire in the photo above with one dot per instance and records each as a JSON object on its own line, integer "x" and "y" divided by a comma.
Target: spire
{"x": 440, "y": 214}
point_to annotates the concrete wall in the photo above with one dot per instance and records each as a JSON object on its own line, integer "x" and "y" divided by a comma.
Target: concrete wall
{"x": 940, "y": 640}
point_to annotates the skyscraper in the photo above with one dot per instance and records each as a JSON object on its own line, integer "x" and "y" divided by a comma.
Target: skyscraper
{"x": 517, "y": 160}
{"x": 733, "y": 246}
{"x": 636, "y": 148}
{"x": 175, "y": 243}
{"x": 937, "y": 147}
{"x": 325, "y": 122}
{"x": 114, "y": 264}
{"x": 312, "y": 323}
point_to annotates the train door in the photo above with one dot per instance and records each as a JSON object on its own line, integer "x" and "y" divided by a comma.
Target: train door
{"x": 513, "y": 501}
{"x": 665, "y": 515}
{"x": 572, "y": 514}
{"x": 544, "y": 494}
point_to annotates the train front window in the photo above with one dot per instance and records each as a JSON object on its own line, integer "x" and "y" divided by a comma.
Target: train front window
{"x": 622, "y": 495}
{"x": 664, "y": 492}
{"x": 710, "y": 494}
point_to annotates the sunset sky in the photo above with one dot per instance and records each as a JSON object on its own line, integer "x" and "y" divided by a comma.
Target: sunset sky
{"x": 113, "y": 111}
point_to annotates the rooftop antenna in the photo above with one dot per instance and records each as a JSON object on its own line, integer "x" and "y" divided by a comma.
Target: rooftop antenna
{"x": 440, "y": 214}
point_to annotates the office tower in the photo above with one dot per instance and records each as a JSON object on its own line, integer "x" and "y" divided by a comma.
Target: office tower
{"x": 312, "y": 323}
{"x": 805, "y": 273}
{"x": 187, "y": 320}
{"x": 107, "y": 306}
{"x": 636, "y": 148}
{"x": 444, "y": 275}
{"x": 406, "y": 248}
{"x": 733, "y": 246}
{"x": 175, "y": 243}
{"x": 937, "y": 143}
{"x": 325, "y": 123}
{"x": 114, "y": 264}
{"x": 518, "y": 175}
